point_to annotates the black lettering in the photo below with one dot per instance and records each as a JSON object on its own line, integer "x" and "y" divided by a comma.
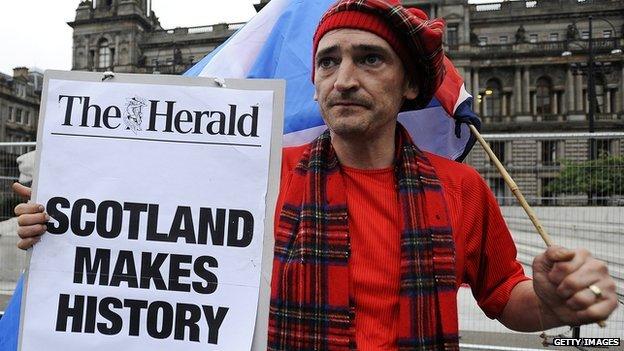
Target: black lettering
{"x": 232, "y": 121}
{"x": 62, "y": 221}
{"x": 176, "y": 272}
{"x": 116, "y": 323}
{"x": 219, "y": 124}
{"x": 214, "y": 322}
{"x": 182, "y": 218}
{"x": 65, "y": 312}
{"x": 107, "y": 114}
{"x": 179, "y": 120}
{"x": 92, "y": 304}
{"x": 198, "y": 120}
{"x": 152, "y": 319}
{"x": 89, "y": 226}
{"x": 102, "y": 219}
{"x": 135, "y": 314}
{"x": 154, "y": 114}
{"x": 150, "y": 270}
{"x": 69, "y": 107}
{"x": 125, "y": 270}
{"x": 253, "y": 124}
{"x": 85, "y": 113}
{"x": 199, "y": 266}
{"x": 187, "y": 316}
{"x": 216, "y": 226}
{"x": 152, "y": 225}
{"x": 247, "y": 233}
{"x": 135, "y": 210}
{"x": 83, "y": 265}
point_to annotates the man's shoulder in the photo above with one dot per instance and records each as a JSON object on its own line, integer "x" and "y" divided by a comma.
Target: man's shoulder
{"x": 453, "y": 173}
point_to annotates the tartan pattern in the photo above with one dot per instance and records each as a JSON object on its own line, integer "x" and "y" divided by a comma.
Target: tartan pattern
{"x": 423, "y": 37}
{"x": 310, "y": 306}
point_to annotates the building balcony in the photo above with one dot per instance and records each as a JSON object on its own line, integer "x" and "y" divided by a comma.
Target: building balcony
{"x": 544, "y": 48}
{"x": 490, "y": 12}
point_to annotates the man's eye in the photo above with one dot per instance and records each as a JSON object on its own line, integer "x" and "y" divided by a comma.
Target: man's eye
{"x": 372, "y": 59}
{"x": 326, "y": 62}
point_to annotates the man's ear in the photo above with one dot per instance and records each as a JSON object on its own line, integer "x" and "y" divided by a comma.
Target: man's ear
{"x": 411, "y": 92}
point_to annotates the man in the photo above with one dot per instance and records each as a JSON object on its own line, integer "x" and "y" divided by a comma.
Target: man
{"x": 373, "y": 236}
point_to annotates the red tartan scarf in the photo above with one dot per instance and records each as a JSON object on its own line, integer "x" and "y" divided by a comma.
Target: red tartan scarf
{"x": 310, "y": 307}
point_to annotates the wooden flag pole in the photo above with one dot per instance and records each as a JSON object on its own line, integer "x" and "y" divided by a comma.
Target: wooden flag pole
{"x": 517, "y": 193}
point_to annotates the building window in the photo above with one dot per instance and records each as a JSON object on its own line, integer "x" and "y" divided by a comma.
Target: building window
{"x": 503, "y": 39}
{"x": 543, "y": 94}
{"x": 549, "y": 152}
{"x": 533, "y": 38}
{"x": 483, "y": 41}
{"x": 601, "y": 91}
{"x": 498, "y": 147}
{"x": 585, "y": 35}
{"x": 28, "y": 122}
{"x": 104, "y": 54}
{"x": 11, "y": 117}
{"x": 492, "y": 98}
{"x": 548, "y": 197}
{"x": 18, "y": 115}
{"x": 553, "y": 37}
{"x": 452, "y": 37}
{"x": 607, "y": 33}
{"x": 604, "y": 147}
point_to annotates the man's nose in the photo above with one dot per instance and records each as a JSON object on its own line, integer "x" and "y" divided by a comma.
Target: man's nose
{"x": 346, "y": 77}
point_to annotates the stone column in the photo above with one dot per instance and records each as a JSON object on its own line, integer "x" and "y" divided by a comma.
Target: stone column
{"x": 503, "y": 104}
{"x": 475, "y": 89}
{"x": 467, "y": 79}
{"x": 526, "y": 106}
{"x": 607, "y": 101}
{"x": 553, "y": 103}
{"x": 569, "y": 92}
{"x": 578, "y": 93}
{"x": 533, "y": 108}
{"x": 622, "y": 91}
{"x": 517, "y": 93}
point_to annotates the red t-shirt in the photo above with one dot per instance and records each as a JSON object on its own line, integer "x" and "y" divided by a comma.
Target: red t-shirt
{"x": 485, "y": 252}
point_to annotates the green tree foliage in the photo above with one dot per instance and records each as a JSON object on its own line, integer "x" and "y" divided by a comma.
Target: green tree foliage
{"x": 603, "y": 177}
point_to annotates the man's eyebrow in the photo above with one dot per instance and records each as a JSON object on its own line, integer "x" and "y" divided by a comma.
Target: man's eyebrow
{"x": 370, "y": 48}
{"x": 327, "y": 51}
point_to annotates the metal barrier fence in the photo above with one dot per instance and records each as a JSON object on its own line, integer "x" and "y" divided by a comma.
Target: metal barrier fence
{"x": 578, "y": 197}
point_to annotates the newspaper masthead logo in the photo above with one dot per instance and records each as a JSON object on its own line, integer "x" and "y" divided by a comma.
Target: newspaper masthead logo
{"x": 162, "y": 116}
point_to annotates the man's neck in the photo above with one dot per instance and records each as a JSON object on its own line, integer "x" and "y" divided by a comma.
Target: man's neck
{"x": 367, "y": 152}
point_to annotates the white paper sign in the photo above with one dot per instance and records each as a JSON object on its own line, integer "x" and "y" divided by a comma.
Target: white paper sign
{"x": 160, "y": 193}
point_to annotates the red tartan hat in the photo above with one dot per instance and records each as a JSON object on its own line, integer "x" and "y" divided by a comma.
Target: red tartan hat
{"x": 415, "y": 39}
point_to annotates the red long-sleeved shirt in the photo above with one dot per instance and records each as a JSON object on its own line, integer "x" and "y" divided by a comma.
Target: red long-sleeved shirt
{"x": 485, "y": 252}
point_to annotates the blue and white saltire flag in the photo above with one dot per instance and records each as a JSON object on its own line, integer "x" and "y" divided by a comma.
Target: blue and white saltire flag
{"x": 277, "y": 43}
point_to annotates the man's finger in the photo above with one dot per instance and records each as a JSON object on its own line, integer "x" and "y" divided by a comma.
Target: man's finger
{"x": 599, "y": 311}
{"x": 35, "y": 218}
{"x": 22, "y": 209}
{"x": 589, "y": 273}
{"x": 31, "y": 231}
{"x": 21, "y": 190}
{"x": 559, "y": 254}
{"x": 566, "y": 262}
{"x": 27, "y": 243}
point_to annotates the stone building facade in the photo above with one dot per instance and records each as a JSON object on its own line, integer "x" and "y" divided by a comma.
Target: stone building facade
{"x": 19, "y": 106}
{"x": 126, "y": 36}
{"x": 524, "y": 61}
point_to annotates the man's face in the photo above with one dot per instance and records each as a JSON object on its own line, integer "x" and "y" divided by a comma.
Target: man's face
{"x": 360, "y": 83}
